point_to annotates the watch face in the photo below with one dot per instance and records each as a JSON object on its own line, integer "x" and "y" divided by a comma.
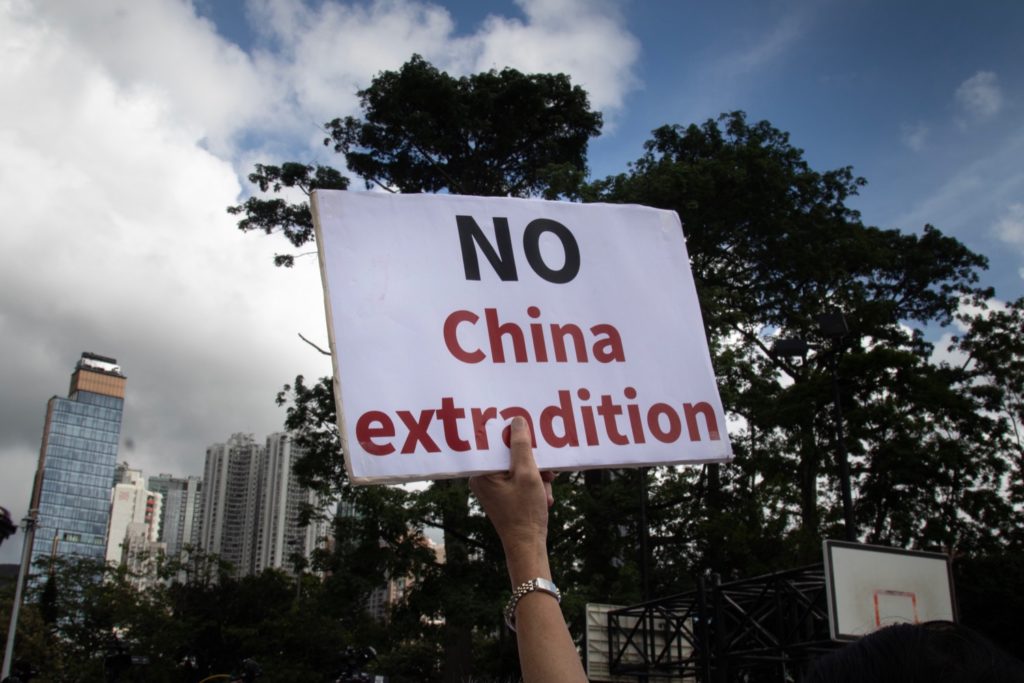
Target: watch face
{"x": 548, "y": 586}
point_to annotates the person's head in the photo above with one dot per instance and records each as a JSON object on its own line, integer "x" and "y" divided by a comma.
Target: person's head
{"x": 935, "y": 651}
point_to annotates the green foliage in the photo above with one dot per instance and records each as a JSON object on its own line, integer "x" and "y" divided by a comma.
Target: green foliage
{"x": 935, "y": 449}
{"x": 291, "y": 219}
{"x": 185, "y": 630}
{"x": 994, "y": 347}
{"x": 492, "y": 133}
{"x": 772, "y": 240}
{"x": 380, "y": 532}
{"x": 773, "y": 246}
{"x": 990, "y": 597}
{"x": 994, "y": 350}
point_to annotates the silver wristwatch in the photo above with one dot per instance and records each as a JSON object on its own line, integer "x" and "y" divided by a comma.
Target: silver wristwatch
{"x": 538, "y": 584}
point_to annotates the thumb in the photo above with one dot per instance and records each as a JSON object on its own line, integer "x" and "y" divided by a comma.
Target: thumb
{"x": 520, "y": 441}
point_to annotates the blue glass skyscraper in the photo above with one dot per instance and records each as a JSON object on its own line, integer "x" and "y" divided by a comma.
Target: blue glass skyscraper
{"x": 77, "y": 460}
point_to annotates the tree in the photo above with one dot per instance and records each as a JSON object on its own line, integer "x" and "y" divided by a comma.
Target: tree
{"x": 422, "y": 130}
{"x": 277, "y": 214}
{"x": 500, "y": 133}
{"x": 774, "y": 245}
{"x": 87, "y": 619}
{"x": 994, "y": 349}
{"x": 88, "y": 613}
{"x": 7, "y": 527}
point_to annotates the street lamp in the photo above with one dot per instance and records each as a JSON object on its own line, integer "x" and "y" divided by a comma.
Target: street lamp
{"x": 832, "y": 326}
{"x": 29, "y": 527}
{"x": 790, "y": 348}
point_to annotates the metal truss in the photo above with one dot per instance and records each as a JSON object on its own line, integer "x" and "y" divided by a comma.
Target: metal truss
{"x": 767, "y": 628}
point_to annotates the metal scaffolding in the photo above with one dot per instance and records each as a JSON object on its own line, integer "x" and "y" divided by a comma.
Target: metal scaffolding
{"x": 766, "y": 628}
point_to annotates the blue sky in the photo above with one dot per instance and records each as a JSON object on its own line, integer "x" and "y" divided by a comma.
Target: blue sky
{"x": 870, "y": 84}
{"x": 129, "y": 125}
{"x": 867, "y": 84}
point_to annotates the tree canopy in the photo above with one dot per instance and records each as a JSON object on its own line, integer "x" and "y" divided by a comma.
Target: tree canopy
{"x": 934, "y": 446}
{"x": 497, "y": 133}
{"x": 422, "y": 130}
{"x": 773, "y": 247}
{"x": 933, "y": 435}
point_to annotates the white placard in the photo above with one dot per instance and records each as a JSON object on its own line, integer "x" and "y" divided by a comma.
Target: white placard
{"x": 449, "y": 315}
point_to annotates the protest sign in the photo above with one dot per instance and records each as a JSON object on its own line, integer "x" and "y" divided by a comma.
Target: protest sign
{"x": 449, "y": 315}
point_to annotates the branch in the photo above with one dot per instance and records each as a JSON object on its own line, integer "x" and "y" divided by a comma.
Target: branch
{"x": 468, "y": 540}
{"x": 381, "y": 185}
{"x": 756, "y": 341}
{"x": 326, "y": 353}
{"x": 452, "y": 182}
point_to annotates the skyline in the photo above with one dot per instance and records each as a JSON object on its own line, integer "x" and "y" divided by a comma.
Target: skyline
{"x": 131, "y": 127}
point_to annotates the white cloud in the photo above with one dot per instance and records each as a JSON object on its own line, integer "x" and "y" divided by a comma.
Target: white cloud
{"x": 980, "y": 95}
{"x": 965, "y": 200}
{"x": 915, "y": 136}
{"x": 1010, "y": 226}
{"x": 116, "y": 241}
{"x": 125, "y": 128}
{"x": 768, "y": 47}
{"x": 719, "y": 80}
{"x": 585, "y": 39}
{"x": 323, "y": 54}
{"x": 165, "y": 48}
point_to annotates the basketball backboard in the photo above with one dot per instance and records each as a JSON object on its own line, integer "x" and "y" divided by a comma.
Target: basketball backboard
{"x": 869, "y": 587}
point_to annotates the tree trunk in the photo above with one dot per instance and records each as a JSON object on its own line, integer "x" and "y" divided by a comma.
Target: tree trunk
{"x": 810, "y": 464}
{"x": 459, "y": 584}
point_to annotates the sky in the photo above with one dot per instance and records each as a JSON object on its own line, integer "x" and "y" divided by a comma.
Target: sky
{"x": 128, "y": 126}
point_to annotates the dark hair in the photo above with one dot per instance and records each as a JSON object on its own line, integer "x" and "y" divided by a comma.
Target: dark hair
{"x": 935, "y": 651}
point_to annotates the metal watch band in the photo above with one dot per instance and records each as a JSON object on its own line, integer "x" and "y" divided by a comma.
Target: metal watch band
{"x": 537, "y": 584}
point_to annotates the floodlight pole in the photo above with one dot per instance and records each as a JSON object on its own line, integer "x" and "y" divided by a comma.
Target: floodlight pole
{"x": 833, "y": 325}
{"x": 844, "y": 462}
{"x": 29, "y": 527}
{"x": 645, "y": 579}
{"x": 645, "y": 552}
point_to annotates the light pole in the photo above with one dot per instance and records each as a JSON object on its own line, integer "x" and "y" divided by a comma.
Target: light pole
{"x": 833, "y": 326}
{"x": 645, "y": 578}
{"x": 29, "y": 525}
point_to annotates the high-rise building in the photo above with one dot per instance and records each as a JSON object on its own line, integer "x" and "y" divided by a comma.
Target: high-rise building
{"x": 251, "y": 502}
{"x": 131, "y": 503}
{"x": 231, "y": 501}
{"x": 395, "y": 590}
{"x": 281, "y": 499}
{"x": 76, "y": 461}
{"x": 180, "y": 512}
{"x": 140, "y": 555}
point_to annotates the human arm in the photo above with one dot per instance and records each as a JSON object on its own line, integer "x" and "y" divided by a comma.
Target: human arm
{"x": 517, "y": 504}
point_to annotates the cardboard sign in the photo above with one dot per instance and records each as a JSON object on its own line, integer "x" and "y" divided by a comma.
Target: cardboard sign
{"x": 450, "y": 315}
